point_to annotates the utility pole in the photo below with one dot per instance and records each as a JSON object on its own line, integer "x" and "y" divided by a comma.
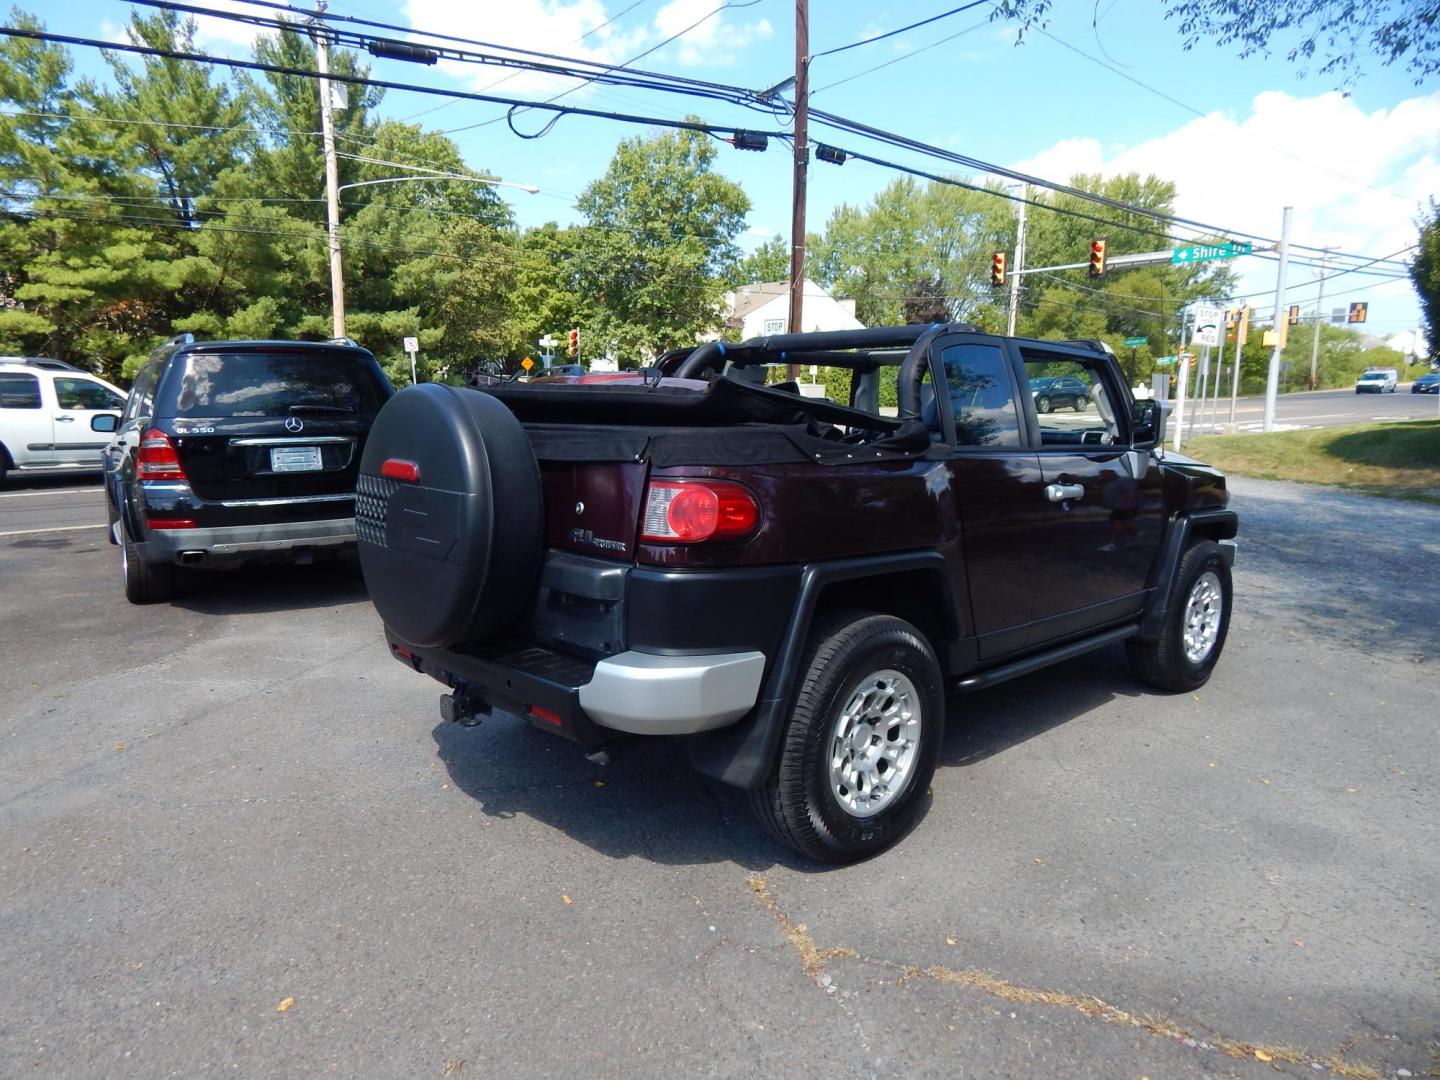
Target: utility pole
{"x": 1015, "y": 270}
{"x": 1319, "y": 318}
{"x": 332, "y": 174}
{"x": 1272, "y": 377}
{"x": 802, "y": 163}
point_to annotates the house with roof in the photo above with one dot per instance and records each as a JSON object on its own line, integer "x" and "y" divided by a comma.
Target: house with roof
{"x": 763, "y": 309}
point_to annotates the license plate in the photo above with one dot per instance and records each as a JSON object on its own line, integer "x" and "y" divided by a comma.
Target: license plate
{"x": 295, "y": 459}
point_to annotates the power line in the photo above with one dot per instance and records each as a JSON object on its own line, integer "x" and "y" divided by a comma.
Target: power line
{"x": 904, "y": 56}
{"x": 843, "y": 123}
{"x": 355, "y": 80}
{"x": 509, "y": 115}
{"x": 899, "y": 30}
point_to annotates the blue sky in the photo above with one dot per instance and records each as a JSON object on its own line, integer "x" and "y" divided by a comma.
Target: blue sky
{"x": 1355, "y": 168}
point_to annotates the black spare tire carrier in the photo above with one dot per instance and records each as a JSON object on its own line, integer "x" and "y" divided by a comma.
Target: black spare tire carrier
{"x": 449, "y": 516}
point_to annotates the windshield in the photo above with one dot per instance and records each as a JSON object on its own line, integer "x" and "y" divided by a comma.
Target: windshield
{"x": 276, "y": 384}
{"x": 1375, "y": 377}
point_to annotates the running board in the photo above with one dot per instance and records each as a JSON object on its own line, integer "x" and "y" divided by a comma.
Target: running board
{"x": 1045, "y": 659}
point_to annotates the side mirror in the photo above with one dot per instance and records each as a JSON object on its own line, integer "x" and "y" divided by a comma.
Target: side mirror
{"x": 1148, "y": 422}
{"x": 106, "y": 422}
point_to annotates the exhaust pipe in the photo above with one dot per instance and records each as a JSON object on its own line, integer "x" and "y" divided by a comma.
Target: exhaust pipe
{"x": 191, "y": 558}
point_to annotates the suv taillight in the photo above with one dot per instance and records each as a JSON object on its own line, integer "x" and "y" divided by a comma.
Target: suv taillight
{"x": 689, "y": 511}
{"x": 158, "y": 459}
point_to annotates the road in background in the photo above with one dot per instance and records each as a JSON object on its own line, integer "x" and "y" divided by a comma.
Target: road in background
{"x": 1318, "y": 408}
{"x": 31, "y": 504}
{"x": 214, "y": 807}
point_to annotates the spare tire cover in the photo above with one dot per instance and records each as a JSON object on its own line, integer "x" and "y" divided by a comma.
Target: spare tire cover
{"x": 452, "y": 556}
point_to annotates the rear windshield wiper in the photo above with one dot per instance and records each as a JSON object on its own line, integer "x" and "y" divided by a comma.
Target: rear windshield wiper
{"x": 315, "y": 406}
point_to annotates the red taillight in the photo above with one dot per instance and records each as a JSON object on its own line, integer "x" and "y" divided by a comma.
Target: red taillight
{"x": 170, "y": 523}
{"x": 687, "y": 512}
{"x": 158, "y": 459}
{"x": 400, "y": 469}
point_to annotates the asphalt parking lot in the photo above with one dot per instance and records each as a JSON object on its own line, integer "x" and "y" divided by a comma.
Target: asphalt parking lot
{"x": 212, "y": 808}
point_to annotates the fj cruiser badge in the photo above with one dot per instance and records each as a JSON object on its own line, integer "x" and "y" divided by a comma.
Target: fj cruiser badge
{"x": 585, "y": 536}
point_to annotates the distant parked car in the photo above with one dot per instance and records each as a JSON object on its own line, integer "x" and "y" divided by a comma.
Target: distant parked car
{"x": 1426, "y": 384}
{"x": 230, "y": 451}
{"x": 1060, "y": 391}
{"x": 45, "y": 411}
{"x": 1378, "y": 381}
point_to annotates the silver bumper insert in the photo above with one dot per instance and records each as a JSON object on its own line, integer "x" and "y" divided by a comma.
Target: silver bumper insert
{"x": 1227, "y": 551}
{"x": 645, "y": 694}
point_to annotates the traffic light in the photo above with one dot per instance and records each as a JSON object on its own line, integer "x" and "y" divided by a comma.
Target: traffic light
{"x": 1294, "y": 314}
{"x": 573, "y": 347}
{"x": 997, "y": 269}
{"x": 1097, "y": 257}
{"x": 1244, "y": 328}
{"x": 1358, "y": 311}
{"x": 1232, "y": 319}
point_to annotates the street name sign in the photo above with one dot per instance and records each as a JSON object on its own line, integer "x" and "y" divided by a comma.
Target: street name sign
{"x": 1191, "y": 253}
{"x": 1165, "y": 361}
{"x": 1135, "y": 342}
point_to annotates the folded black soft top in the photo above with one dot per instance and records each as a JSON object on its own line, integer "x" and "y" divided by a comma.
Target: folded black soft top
{"x": 725, "y": 401}
{"x": 728, "y": 423}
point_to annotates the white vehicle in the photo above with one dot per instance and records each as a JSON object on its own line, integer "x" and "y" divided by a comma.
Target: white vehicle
{"x": 46, "y": 410}
{"x": 1378, "y": 381}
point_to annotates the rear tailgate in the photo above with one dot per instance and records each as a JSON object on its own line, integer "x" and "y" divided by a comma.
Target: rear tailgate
{"x": 272, "y": 435}
{"x": 593, "y": 508}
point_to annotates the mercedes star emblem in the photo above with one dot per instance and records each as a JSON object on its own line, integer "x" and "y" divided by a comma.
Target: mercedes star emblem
{"x": 294, "y": 423}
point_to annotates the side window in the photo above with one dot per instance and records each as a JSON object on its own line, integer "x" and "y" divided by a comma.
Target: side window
{"x": 1070, "y": 402}
{"x": 142, "y": 395}
{"x": 19, "y": 391}
{"x": 85, "y": 394}
{"x": 977, "y": 379}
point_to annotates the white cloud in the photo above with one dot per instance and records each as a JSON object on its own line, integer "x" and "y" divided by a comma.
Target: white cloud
{"x": 1355, "y": 179}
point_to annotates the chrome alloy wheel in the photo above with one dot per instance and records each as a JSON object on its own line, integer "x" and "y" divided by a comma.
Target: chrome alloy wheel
{"x": 874, "y": 742}
{"x": 1201, "y": 628}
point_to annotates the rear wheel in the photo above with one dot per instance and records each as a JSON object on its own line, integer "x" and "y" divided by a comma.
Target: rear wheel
{"x": 145, "y": 583}
{"x": 1081, "y": 404}
{"x": 859, "y": 749}
{"x": 1196, "y": 623}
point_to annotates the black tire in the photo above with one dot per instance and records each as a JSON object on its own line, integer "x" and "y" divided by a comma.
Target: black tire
{"x": 1081, "y": 404}
{"x": 1042, "y": 404}
{"x": 145, "y": 583}
{"x": 1163, "y": 662}
{"x": 797, "y": 804}
{"x": 4, "y": 462}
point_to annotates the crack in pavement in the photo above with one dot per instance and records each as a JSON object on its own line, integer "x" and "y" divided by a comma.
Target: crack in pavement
{"x": 812, "y": 960}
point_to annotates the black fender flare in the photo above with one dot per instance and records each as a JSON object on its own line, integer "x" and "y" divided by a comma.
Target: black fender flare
{"x": 1182, "y": 530}
{"x": 743, "y": 755}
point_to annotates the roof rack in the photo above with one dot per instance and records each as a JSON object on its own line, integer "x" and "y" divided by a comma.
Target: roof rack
{"x": 46, "y": 362}
{"x": 342, "y": 341}
{"x": 186, "y": 338}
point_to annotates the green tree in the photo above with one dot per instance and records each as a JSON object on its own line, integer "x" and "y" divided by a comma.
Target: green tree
{"x": 657, "y": 245}
{"x": 768, "y": 262}
{"x": 1425, "y": 273}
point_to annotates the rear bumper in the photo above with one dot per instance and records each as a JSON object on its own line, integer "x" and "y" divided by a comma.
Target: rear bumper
{"x": 240, "y": 542}
{"x": 645, "y": 694}
{"x": 630, "y": 693}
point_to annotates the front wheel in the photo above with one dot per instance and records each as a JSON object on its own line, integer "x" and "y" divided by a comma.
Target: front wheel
{"x": 860, "y": 746}
{"x": 1042, "y": 404}
{"x": 1196, "y": 623}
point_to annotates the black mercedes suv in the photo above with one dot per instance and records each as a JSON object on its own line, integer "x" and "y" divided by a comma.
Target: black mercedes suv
{"x": 230, "y": 451}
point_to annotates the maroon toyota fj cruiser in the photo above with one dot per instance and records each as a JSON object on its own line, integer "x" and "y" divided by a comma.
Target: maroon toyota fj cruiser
{"x": 789, "y": 583}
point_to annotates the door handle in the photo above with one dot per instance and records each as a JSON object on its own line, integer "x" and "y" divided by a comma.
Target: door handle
{"x": 1061, "y": 492}
{"x": 64, "y": 419}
